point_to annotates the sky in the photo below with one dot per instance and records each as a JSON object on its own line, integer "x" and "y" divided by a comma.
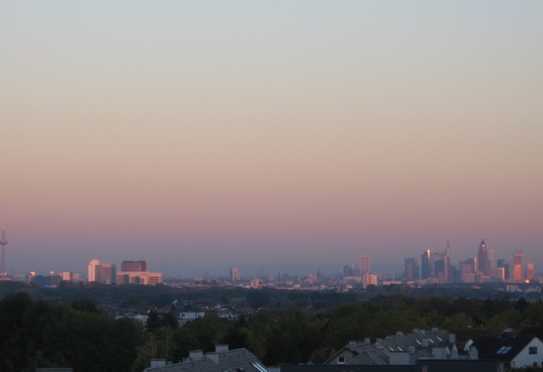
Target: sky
{"x": 272, "y": 135}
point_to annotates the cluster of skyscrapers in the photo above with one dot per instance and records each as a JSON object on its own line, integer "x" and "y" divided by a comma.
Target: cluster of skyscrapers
{"x": 361, "y": 274}
{"x": 483, "y": 267}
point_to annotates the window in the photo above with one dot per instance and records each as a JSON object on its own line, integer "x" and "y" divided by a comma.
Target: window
{"x": 341, "y": 360}
{"x": 533, "y": 350}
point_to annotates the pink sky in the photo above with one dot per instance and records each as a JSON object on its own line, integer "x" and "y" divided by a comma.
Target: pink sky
{"x": 298, "y": 134}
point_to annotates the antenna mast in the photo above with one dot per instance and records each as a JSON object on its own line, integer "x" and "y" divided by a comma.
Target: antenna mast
{"x": 3, "y": 244}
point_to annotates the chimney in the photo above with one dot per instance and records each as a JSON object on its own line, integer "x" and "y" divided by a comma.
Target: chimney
{"x": 196, "y": 354}
{"x": 221, "y": 348}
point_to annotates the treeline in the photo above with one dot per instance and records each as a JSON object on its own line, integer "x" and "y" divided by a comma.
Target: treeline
{"x": 294, "y": 336}
{"x": 40, "y": 334}
{"x": 140, "y": 298}
{"x": 78, "y": 335}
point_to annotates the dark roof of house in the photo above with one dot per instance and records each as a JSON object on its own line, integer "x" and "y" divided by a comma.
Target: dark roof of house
{"x": 348, "y": 368}
{"x": 235, "y": 360}
{"x": 421, "y": 366}
{"x": 505, "y": 347}
{"x": 459, "y": 365}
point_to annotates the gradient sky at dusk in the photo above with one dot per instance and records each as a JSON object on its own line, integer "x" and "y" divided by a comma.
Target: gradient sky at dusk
{"x": 204, "y": 134}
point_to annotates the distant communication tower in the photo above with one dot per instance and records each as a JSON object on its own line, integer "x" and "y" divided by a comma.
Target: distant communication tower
{"x": 3, "y": 244}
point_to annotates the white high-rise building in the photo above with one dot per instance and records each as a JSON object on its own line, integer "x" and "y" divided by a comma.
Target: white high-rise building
{"x": 235, "y": 274}
{"x": 92, "y": 269}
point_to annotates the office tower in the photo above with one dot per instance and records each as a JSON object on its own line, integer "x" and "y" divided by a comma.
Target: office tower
{"x": 135, "y": 272}
{"x": 106, "y": 273}
{"x": 370, "y": 279}
{"x": 100, "y": 272}
{"x": 468, "y": 270}
{"x": 138, "y": 278}
{"x": 134, "y": 266}
{"x": 530, "y": 271}
{"x": 503, "y": 269}
{"x": 426, "y": 264}
{"x": 365, "y": 271}
{"x": 518, "y": 270}
{"x": 364, "y": 265}
{"x": 348, "y": 270}
{"x": 91, "y": 269}
{"x": 441, "y": 266}
{"x": 235, "y": 274}
{"x": 3, "y": 245}
{"x": 411, "y": 269}
{"x": 486, "y": 260}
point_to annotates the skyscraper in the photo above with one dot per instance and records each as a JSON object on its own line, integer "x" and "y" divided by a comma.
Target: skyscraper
{"x": 365, "y": 270}
{"x": 426, "y": 264}
{"x": 235, "y": 274}
{"x": 364, "y": 265}
{"x": 91, "y": 270}
{"x": 3, "y": 245}
{"x": 100, "y": 272}
{"x": 411, "y": 269}
{"x": 486, "y": 260}
{"x": 468, "y": 270}
{"x": 348, "y": 270}
{"x": 106, "y": 273}
{"x": 441, "y": 266}
{"x": 530, "y": 271}
{"x": 518, "y": 269}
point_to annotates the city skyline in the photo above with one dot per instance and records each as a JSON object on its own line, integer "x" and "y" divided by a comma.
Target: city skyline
{"x": 326, "y": 133}
{"x": 483, "y": 265}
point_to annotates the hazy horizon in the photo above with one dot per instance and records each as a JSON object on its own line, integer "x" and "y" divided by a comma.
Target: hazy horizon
{"x": 299, "y": 133}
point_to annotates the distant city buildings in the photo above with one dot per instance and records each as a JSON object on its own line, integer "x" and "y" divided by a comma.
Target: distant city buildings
{"x": 3, "y": 245}
{"x": 411, "y": 269}
{"x": 433, "y": 267}
{"x": 71, "y": 277}
{"x": 436, "y": 267}
{"x": 101, "y": 272}
{"x": 441, "y": 266}
{"x": 132, "y": 272}
{"x": 135, "y": 272}
{"x": 426, "y": 264}
{"x": 235, "y": 274}
{"x": 518, "y": 269}
{"x": 530, "y": 271}
{"x": 468, "y": 270}
{"x": 364, "y": 265}
{"x": 367, "y": 278}
{"x": 134, "y": 266}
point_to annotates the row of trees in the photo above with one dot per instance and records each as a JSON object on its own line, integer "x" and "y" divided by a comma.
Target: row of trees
{"x": 40, "y": 334}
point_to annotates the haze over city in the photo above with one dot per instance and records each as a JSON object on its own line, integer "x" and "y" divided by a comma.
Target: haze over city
{"x": 273, "y": 136}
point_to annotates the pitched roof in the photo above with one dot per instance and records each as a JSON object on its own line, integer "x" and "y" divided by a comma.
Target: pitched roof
{"x": 348, "y": 368}
{"x": 428, "y": 366}
{"x": 504, "y": 348}
{"x": 459, "y": 365}
{"x": 419, "y": 344}
{"x": 236, "y": 360}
